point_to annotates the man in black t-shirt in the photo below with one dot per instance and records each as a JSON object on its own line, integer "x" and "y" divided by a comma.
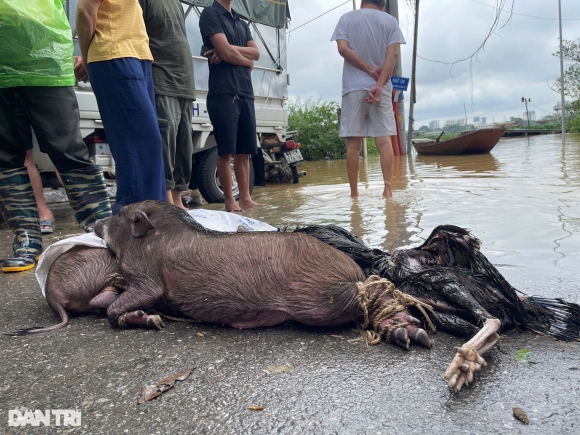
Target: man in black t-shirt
{"x": 230, "y": 102}
{"x": 174, "y": 90}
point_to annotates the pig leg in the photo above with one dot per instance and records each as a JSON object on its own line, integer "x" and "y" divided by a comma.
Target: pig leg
{"x": 139, "y": 319}
{"x": 101, "y": 302}
{"x": 127, "y": 310}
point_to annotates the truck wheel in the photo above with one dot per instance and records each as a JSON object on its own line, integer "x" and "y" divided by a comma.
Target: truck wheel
{"x": 294, "y": 174}
{"x": 208, "y": 182}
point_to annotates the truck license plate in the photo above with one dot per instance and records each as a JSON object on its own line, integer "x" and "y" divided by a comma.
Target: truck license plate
{"x": 293, "y": 156}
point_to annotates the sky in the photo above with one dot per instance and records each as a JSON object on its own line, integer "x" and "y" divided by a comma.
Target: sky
{"x": 517, "y": 60}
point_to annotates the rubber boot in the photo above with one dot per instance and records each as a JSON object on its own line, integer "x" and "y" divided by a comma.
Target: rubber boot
{"x": 20, "y": 212}
{"x": 87, "y": 195}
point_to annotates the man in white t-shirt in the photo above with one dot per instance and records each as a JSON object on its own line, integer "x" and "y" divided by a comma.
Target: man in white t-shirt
{"x": 368, "y": 39}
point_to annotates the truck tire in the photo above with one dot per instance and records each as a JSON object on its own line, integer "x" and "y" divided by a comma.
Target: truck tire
{"x": 208, "y": 182}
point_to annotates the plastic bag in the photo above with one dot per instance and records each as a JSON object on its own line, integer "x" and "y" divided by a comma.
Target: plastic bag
{"x": 35, "y": 44}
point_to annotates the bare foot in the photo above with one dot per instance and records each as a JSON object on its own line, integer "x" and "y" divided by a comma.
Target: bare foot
{"x": 354, "y": 194}
{"x": 232, "y": 206}
{"x": 248, "y": 203}
{"x": 388, "y": 192}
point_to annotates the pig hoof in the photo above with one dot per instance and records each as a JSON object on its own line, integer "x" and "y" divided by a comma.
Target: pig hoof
{"x": 155, "y": 322}
{"x": 400, "y": 337}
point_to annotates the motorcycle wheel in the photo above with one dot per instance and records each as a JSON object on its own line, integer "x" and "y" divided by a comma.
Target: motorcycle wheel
{"x": 208, "y": 182}
{"x": 294, "y": 174}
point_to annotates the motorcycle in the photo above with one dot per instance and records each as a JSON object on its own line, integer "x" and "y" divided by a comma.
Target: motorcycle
{"x": 281, "y": 161}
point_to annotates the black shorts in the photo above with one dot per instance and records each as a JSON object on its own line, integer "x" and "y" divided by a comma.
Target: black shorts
{"x": 24, "y": 126}
{"x": 234, "y": 124}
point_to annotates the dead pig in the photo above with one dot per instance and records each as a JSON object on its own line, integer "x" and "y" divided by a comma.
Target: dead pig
{"x": 80, "y": 281}
{"x": 247, "y": 280}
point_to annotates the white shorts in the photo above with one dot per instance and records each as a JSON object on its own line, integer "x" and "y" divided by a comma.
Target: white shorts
{"x": 359, "y": 119}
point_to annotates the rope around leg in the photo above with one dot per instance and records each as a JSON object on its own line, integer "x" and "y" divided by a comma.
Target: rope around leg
{"x": 115, "y": 283}
{"x": 370, "y": 299}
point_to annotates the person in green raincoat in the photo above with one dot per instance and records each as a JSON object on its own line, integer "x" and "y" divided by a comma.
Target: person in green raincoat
{"x": 36, "y": 66}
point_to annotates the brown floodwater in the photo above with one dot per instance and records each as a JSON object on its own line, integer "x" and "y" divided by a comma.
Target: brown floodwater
{"x": 522, "y": 200}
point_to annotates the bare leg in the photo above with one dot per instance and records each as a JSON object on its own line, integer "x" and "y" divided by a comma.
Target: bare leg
{"x": 177, "y": 201}
{"x": 225, "y": 177}
{"x": 353, "y": 147}
{"x": 468, "y": 358}
{"x": 242, "y": 170}
{"x": 58, "y": 177}
{"x": 44, "y": 212}
{"x": 169, "y": 196}
{"x": 387, "y": 163}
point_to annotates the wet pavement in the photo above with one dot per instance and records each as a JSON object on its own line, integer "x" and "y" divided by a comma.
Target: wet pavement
{"x": 522, "y": 200}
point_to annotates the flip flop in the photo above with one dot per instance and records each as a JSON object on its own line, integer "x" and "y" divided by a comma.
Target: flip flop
{"x": 46, "y": 223}
{"x": 235, "y": 211}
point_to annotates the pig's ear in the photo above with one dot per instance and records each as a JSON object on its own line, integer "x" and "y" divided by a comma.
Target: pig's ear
{"x": 140, "y": 224}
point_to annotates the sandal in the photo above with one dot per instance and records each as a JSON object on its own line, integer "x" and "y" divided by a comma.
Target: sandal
{"x": 46, "y": 223}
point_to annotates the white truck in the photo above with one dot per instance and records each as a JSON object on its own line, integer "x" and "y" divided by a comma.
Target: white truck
{"x": 268, "y": 23}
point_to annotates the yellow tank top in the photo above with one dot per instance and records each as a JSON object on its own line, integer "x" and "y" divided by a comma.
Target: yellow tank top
{"x": 120, "y": 32}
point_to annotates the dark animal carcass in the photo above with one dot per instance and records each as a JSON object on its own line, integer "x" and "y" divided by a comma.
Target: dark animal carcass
{"x": 467, "y": 292}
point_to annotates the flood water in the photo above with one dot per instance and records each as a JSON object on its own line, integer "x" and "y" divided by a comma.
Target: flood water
{"x": 522, "y": 201}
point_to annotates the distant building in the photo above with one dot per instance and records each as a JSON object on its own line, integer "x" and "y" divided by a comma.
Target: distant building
{"x": 558, "y": 108}
{"x": 484, "y": 120}
{"x": 531, "y": 114}
{"x": 476, "y": 120}
{"x": 434, "y": 125}
{"x": 455, "y": 122}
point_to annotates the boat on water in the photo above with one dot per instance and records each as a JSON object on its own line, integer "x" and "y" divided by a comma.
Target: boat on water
{"x": 469, "y": 142}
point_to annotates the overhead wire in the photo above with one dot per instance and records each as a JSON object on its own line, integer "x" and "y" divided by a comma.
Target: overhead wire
{"x": 315, "y": 18}
{"x": 529, "y": 16}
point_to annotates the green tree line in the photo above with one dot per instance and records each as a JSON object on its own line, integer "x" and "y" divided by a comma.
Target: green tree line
{"x": 571, "y": 52}
{"x": 317, "y": 124}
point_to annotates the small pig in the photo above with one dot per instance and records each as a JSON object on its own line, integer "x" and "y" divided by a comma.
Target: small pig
{"x": 82, "y": 280}
{"x": 173, "y": 265}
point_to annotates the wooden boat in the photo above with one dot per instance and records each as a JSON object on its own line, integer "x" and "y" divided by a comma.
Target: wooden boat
{"x": 469, "y": 142}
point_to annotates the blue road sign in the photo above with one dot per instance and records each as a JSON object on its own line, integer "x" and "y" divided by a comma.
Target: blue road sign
{"x": 400, "y": 83}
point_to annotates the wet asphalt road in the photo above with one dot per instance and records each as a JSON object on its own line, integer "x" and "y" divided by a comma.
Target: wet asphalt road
{"x": 337, "y": 385}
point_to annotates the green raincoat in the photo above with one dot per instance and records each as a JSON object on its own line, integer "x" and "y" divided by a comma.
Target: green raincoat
{"x": 35, "y": 44}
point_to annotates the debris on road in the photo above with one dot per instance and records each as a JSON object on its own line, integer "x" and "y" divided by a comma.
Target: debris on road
{"x": 521, "y": 415}
{"x": 152, "y": 391}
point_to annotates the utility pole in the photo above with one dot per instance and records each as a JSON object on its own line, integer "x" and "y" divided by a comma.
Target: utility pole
{"x": 562, "y": 75}
{"x": 413, "y": 87}
{"x": 528, "y": 100}
{"x": 393, "y": 8}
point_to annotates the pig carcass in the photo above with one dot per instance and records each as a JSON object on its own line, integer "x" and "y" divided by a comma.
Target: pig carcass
{"x": 175, "y": 266}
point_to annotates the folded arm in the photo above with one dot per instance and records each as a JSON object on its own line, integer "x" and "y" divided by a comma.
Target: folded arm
{"x": 242, "y": 56}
